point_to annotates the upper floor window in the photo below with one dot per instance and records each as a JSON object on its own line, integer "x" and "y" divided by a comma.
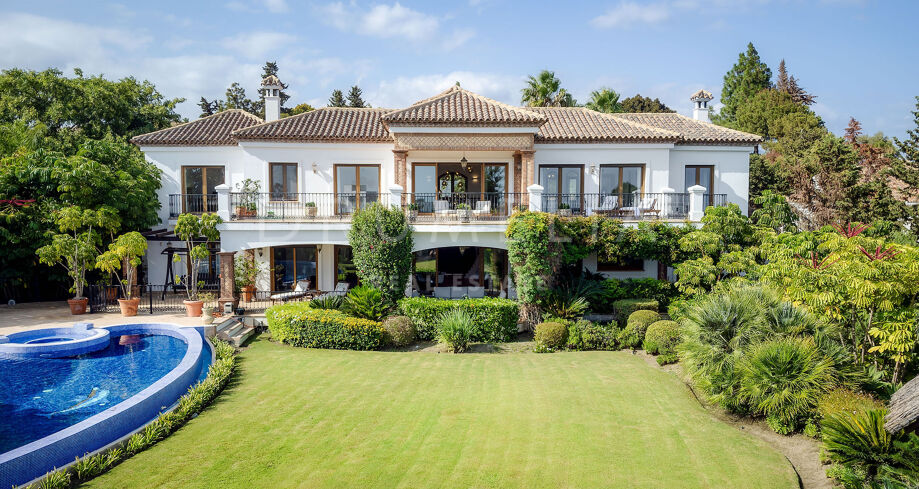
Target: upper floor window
{"x": 356, "y": 186}
{"x": 283, "y": 178}
{"x": 561, "y": 179}
{"x": 622, "y": 180}
{"x": 703, "y": 175}
{"x": 199, "y": 188}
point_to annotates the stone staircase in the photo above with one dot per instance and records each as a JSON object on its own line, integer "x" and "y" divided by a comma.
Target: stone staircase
{"x": 236, "y": 329}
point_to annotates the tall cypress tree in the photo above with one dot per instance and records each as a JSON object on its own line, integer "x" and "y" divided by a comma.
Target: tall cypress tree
{"x": 337, "y": 99}
{"x": 745, "y": 79}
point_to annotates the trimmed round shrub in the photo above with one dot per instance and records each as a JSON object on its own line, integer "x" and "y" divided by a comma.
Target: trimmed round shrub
{"x": 625, "y": 307}
{"x": 662, "y": 337}
{"x": 634, "y": 332}
{"x": 398, "y": 331}
{"x": 551, "y": 335}
{"x": 784, "y": 379}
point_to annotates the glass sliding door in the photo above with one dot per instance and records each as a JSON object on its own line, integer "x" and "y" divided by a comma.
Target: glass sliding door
{"x": 562, "y": 186}
{"x": 292, "y": 264}
{"x": 283, "y": 177}
{"x": 424, "y": 186}
{"x": 622, "y": 181}
{"x": 345, "y": 270}
{"x": 703, "y": 175}
{"x": 356, "y": 186}
{"x": 198, "y": 186}
{"x": 494, "y": 197}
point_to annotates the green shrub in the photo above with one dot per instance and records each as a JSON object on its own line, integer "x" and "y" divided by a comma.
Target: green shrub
{"x": 381, "y": 240}
{"x": 564, "y": 306}
{"x": 328, "y": 302}
{"x": 845, "y": 400}
{"x": 493, "y": 319}
{"x": 615, "y": 290}
{"x": 667, "y": 358}
{"x": 551, "y": 335}
{"x": 587, "y": 335}
{"x": 299, "y": 325}
{"x": 783, "y": 379}
{"x": 399, "y": 331}
{"x": 858, "y": 438}
{"x": 456, "y": 330}
{"x": 365, "y": 303}
{"x": 662, "y": 337}
{"x": 625, "y": 307}
{"x": 634, "y": 332}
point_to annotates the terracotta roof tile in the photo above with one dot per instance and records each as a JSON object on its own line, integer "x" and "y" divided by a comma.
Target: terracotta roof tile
{"x": 691, "y": 130}
{"x": 213, "y": 130}
{"x": 323, "y": 124}
{"x": 578, "y": 124}
{"x": 458, "y": 106}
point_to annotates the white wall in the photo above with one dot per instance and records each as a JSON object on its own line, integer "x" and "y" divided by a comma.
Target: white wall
{"x": 655, "y": 157}
{"x": 732, "y": 169}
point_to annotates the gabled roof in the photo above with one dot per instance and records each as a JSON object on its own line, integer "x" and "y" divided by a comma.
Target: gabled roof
{"x": 213, "y": 130}
{"x": 323, "y": 124}
{"x": 582, "y": 125}
{"x": 691, "y": 130}
{"x": 903, "y": 410}
{"x": 458, "y": 106}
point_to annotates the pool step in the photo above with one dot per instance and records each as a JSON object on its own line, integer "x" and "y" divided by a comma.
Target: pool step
{"x": 235, "y": 330}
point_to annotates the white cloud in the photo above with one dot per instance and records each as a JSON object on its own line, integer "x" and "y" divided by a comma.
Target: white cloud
{"x": 258, "y": 44}
{"x": 393, "y": 21}
{"x": 273, "y": 6}
{"x": 628, "y": 14}
{"x": 276, "y": 6}
{"x": 404, "y": 91}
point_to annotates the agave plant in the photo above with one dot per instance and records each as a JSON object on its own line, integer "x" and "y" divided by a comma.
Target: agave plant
{"x": 784, "y": 378}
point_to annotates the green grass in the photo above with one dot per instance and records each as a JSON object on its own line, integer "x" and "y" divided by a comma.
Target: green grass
{"x": 320, "y": 418}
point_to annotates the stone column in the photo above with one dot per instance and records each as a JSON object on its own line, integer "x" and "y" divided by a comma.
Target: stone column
{"x": 400, "y": 166}
{"x": 227, "y": 280}
{"x": 223, "y": 201}
{"x": 696, "y": 202}
{"x": 529, "y": 167}
{"x": 395, "y": 196}
{"x": 535, "y": 192}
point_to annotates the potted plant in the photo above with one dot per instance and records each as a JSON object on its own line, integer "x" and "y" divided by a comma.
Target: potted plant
{"x": 310, "y": 209}
{"x": 247, "y": 203}
{"x": 75, "y": 246}
{"x": 413, "y": 211}
{"x": 564, "y": 210}
{"x": 207, "y": 311}
{"x": 463, "y": 211}
{"x": 246, "y": 273}
{"x": 124, "y": 254}
{"x": 197, "y": 232}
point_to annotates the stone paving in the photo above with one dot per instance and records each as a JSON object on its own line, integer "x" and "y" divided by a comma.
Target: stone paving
{"x": 34, "y": 315}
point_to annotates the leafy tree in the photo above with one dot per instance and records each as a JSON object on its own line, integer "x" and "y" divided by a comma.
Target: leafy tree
{"x": 80, "y": 107}
{"x": 744, "y": 80}
{"x": 604, "y": 100}
{"x": 208, "y": 107}
{"x": 644, "y": 104}
{"x": 382, "y": 241}
{"x": 907, "y": 165}
{"x": 337, "y": 99}
{"x": 774, "y": 212}
{"x": 545, "y": 90}
{"x": 197, "y": 232}
{"x": 75, "y": 246}
{"x": 124, "y": 256}
{"x": 355, "y": 98}
{"x": 300, "y": 109}
{"x": 722, "y": 249}
{"x": 236, "y": 98}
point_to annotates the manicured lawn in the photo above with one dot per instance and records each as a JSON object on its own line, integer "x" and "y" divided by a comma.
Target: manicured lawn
{"x": 316, "y": 418}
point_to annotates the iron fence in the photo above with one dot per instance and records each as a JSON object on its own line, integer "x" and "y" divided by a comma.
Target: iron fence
{"x": 298, "y": 206}
{"x": 628, "y": 206}
{"x": 463, "y": 206}
{"x": 191, "y": 203}
{"x": 159, "y": 298}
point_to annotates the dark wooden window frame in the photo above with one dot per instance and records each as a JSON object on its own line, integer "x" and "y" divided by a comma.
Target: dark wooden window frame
{"x": 205, "y": 168}
{"x": 357, "y": 178}
{"x": 286, "y": 191}
{"x": 620, "y": 167}
{"x": 710, "y": 188}
{"x": 314, "y": 286}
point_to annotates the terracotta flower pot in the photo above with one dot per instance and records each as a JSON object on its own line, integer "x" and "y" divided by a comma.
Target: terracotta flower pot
{"x": 193, "y": 308}
{"x": 129, "y": 306}
{"x": 247, "y": 293}
{"x": 77, "y": 306}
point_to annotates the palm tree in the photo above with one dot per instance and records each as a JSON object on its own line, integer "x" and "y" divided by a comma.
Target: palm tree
{"x": 604, "y": 100}
{"x": 544, "y": 90}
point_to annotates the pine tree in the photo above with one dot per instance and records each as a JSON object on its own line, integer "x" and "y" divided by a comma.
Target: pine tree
{"x": 781, "y": 79}
{"x": 907, "y": 164}
{"x": 745, "y": 79}
{"x": 271, "y": 68}
{"x": 208, "y": 107}
{"x": 355, "y": 99}
{"x": 337, "y": 99}
{"x": 853, "y": 131}
{"x": 236, "y": 99}
{"x": 789, "y": 85}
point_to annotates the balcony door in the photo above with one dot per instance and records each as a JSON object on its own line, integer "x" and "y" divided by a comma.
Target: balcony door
{"x": 356, "y": 186}
{"x": 622, "y": 181}
{"x": 562, "y": 186}
{"x": 703, "y": 175}
{"x": 199, "y": 185}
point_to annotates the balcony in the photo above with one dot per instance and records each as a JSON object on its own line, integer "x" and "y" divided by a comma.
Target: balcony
{"x": 443, "y": 208}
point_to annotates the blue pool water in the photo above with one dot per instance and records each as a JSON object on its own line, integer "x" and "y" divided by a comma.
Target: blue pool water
{"x": 39, "y": 396}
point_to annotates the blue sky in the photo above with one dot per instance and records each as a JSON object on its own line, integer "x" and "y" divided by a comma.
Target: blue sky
{"x": 857, "y": 56}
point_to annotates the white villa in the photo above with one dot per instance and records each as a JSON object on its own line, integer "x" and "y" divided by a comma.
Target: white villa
{"x": 458, "y": 163}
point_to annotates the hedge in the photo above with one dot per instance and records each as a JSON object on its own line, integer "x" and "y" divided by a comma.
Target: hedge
{"x": 625, "y": 307}
{"x": 299, "y": 325}
{"x": 587, "y": 335}
{"x": 494, "y": 319}
{"x": 551, "y": 335}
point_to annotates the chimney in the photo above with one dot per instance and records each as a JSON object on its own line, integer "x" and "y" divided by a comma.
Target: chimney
{"x": 700, "y": 109}
{"x": 271, "y": 92}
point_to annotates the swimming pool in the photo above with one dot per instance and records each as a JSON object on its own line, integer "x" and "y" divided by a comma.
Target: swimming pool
{"x": 55, "y": 409}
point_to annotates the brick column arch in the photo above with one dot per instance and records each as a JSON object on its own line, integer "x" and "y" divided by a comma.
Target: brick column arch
{"x": 518, "y": 175}
{"x": 529, "y": 168}
{"x": 400, "y": 158}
